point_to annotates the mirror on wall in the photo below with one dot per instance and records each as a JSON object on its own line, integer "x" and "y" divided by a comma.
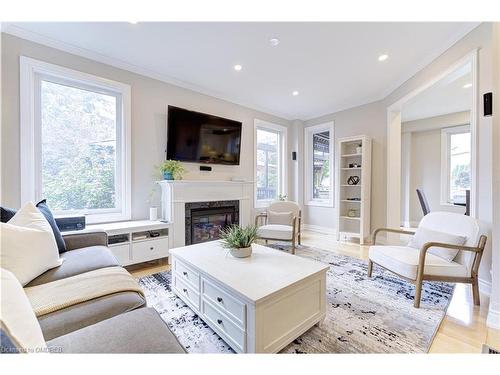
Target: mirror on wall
{"x": 436, "y": 148}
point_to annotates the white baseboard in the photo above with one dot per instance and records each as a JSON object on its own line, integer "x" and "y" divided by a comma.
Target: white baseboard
{"x": 319, "y": 229}
{"x": 485, "y": 287}
{"x": 493, "y": 320}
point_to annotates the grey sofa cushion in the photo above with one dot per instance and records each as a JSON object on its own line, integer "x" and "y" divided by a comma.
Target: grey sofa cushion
{"x": 139, "y": 331}
{"x": 76, "y": 262}
{"x": 85, "y": 314}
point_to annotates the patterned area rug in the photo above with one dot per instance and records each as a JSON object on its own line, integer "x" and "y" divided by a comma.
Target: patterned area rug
{"x": 363, "y": 315}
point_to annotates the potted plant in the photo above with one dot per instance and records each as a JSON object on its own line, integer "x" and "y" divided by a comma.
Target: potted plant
{"x": 239, "y": 240}
{"x": 172, "y": 170}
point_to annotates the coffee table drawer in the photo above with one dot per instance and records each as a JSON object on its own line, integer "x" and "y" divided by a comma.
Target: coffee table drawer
{"x": 224, "y": 326}
{"x": 187, "y": 274}
{"x": 228, "y": 305}
{"x": 186, "y": 292}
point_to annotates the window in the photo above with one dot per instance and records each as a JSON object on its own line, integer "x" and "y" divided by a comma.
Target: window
{"x": 270, "y": 143}
{"x": 456, "y": 164}
{"x": 319, "y": 165}
{"x": 75, "y": 142}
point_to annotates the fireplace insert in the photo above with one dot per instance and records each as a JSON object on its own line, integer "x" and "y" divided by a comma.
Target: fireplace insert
{"x": 204, "y": 220}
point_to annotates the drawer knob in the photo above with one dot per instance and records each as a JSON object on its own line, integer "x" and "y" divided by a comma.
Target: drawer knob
{"x": 219, "y": 321}
{"x": 219, "y": 299}
{"x": 185, "y": 290}
{"x": 151, "y": 248}
{"x": 185, "y": 273}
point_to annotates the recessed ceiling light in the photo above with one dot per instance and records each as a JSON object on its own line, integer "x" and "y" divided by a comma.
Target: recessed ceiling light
{"x": 295, "y": 93}
{"x": 274, "y": 42}
{"x": 467, "y": 85}
{"x": 383, "y": 57}
{"x": 133, "y": 22}
{"x": 238, "y": 67}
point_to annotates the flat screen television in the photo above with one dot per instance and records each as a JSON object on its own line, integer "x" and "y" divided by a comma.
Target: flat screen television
{"x": 201, "y": 138}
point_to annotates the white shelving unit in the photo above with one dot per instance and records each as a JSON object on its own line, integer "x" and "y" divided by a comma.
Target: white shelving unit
{"x": 353, "y": 200}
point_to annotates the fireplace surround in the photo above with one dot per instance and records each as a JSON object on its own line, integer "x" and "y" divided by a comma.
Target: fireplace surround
{"x": 175, "y": 194}
{"x": 204, "y": 220}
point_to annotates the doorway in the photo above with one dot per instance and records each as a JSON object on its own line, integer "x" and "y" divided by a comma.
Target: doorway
{"x": 426, "y": 102}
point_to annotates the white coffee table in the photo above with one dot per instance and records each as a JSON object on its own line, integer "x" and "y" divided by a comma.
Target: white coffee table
{"x": 258, "y": 304}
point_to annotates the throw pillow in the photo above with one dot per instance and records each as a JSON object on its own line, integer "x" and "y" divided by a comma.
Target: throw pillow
{"x": 423, "y": 235}
{"x": 21, "y": 331}
{"x": 6, "y": 214}
{"x": 281, "y": 218}
{"x": 45, "y": 210}
{"x": 28, "y": 245}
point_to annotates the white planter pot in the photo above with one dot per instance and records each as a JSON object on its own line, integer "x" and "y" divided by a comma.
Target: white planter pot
{"x": 242, "y": 252}
{"x": 153, "y": 213}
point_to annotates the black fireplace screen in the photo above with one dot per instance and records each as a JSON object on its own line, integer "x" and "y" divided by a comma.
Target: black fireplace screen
{"x": 204, "y": 220}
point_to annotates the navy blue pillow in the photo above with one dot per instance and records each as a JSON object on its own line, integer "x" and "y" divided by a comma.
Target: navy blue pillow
{"x": 6, "y": 344}
{"x": 45, "y": 210}
{"x": 8, "y": 213}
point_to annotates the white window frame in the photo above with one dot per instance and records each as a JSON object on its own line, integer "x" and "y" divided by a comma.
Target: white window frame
{"x": 308, "y": 160}
{"x": 31, "y": 73}
{"x": 446, "y": 134}
{"x": 282, "y": 161}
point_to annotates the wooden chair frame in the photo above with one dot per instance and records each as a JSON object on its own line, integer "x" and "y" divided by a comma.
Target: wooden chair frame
{"x": 421, "y": 276}
{"x": 296, "y": 235}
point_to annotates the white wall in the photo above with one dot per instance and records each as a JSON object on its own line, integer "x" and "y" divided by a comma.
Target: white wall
{"x": 494, "y": 313}
{"x": 367, "y": 120}
{"x": 149, "y": 104}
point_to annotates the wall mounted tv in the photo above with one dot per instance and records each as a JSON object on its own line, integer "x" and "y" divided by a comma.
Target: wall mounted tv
{"x": 202, "y": 138}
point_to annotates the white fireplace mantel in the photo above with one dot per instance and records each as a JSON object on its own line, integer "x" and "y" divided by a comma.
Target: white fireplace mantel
{"x": 176, "y": 193}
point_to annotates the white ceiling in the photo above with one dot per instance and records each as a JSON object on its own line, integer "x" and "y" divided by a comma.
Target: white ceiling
{"x": 334, "y": 66}
{"x": 448, "y": 95}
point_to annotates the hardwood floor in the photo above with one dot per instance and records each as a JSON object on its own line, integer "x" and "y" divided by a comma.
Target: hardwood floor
{"x": 463, "y": 330}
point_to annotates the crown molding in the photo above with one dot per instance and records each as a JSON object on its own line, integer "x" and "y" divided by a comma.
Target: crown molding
{"x": 15, "y": 30}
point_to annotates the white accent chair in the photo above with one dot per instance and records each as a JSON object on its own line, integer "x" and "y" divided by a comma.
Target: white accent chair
{"x": 286, "y": 228}
{"x": 416, "y": 265}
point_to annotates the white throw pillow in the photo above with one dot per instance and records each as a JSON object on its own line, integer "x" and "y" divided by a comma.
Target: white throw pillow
{"x": 281, "y": 218}
{"x": 28, "y": 245}
{"x": 17, "y": 317}
{"x": 423, "y": 235}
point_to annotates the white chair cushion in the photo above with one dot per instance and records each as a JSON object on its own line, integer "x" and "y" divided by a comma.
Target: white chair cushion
{"x": 275, "y": 232}
{"x": 282, "y": 218}
{"x": 424, "y": 235}
{"x": 403, "y": 260}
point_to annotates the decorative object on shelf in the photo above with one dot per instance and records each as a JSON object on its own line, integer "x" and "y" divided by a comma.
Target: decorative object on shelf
{"x": 354, "y": 165}
{"x": 282, "y": 197}
{"x": 353, "y": 180}
{"x": 359, "y": 149}
{"x": 172, "y": 170}
{"x": 352, "y": 213}
{"x": 153, "y": 213}
{"x": 238, "y": 240}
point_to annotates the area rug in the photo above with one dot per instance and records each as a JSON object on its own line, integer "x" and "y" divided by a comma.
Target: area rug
{"x": 363, "y": 315}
